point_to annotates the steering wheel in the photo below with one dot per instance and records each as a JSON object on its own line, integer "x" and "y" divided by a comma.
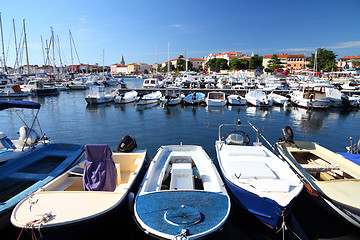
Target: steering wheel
{"x": 239, "y": 131}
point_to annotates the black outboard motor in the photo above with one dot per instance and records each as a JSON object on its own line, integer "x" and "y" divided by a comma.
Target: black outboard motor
{"x": 288, "y": 135}
{"x": 345, "y": 100}
{"x": 127, "y": 144}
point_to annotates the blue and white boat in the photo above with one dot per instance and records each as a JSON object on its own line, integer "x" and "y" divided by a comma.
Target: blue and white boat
{"x": 22, "y": 176}
{"x": 28, "y": 138}
{"x": 182, "y": 195}
{"x": 260, "y": 182}
{"x": 98, "y": 95}
{"x": 195, "y": 98}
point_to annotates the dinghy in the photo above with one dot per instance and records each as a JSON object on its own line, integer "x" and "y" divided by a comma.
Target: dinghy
{"x": 173, "y": 96}
{"x": 97, "y": 95}
{"x": 22, "y": 176}
{"x": 127, "y": 97}
{"x": 236, "y": 99}
{"x": 258, "y": 99}
{"x": 84, "y": 197}
{"x": 260, "y": 182}
{"x": 332, "y": 180}
{"x": 153, "y": 97}
{"x": 182, "y": 195}
{"x": 195, "y": 98}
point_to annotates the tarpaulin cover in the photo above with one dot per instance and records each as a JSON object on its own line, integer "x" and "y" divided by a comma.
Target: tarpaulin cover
{"x": 99, "y": 170}
{"x": 18, "y": 104}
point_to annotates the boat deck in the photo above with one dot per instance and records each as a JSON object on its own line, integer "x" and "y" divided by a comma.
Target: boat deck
{"x": 196, "y": 211}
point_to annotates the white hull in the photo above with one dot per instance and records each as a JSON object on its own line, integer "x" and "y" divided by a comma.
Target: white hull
{"x": 127, "y": 97}
{"x": 258, "y": 99}
{"x": 236, "y": 100}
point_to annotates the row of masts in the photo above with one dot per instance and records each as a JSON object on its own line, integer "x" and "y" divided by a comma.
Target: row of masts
{"x": 49, "y": 50}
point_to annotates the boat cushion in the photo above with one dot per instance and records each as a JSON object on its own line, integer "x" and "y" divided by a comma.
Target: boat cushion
{"x": 99, "y": 170}
{"x": 6, "y": 142}
{"x": 181, "y": 177}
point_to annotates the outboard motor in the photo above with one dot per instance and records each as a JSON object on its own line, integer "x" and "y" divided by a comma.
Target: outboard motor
{"x": 288, "y": 135}
{"x": 127, "y": 144}
{"x": 345, "y": 100}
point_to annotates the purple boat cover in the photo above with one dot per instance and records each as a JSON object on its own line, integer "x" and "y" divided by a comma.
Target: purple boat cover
{"x": 99, "y": 170}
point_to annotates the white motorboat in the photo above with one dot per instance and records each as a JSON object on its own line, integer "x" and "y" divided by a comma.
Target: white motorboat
{"x": 258, "y": 98}
{"x": 279, "y": 99}
{"x": 216, "y": 99}
{"x": 261, "y": 183}
{"x": 37, "y": 87}
{"x": 182, "y": 195}
{"x": 98, "y": 95}
{"x": 236, "y": 99}
{"x": 28, "y": 140}
{"x": 14, "y": 90}
{"x": 150, "y": 83}
{"x": 153, "y": 97}
{"x": 127, "y": 97}
{"x": 339, "y": 99}
{"x": 78, "y": 83}
{"x": 310, "y": 96}
{"x": 93, "y": 191}
{"x": 173, "y": 96}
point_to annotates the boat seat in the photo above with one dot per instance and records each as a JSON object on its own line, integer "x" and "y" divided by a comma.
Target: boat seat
{"x": 314, "y": 168}
{"x": 6, "y": 142}
{"x": 181, "y": 177}
{"x": 252, "y": 170}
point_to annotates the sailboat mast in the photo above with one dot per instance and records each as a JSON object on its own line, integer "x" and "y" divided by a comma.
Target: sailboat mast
{"x": 168, "y": 70}
{"x": 16, "y": 50}
{"x": 26, "y": 49}
{"x": 53, "y": 51}
{"x": 104, "y": 64}
{"x": 72, "y": 60}
{"x": 3, "y": 50}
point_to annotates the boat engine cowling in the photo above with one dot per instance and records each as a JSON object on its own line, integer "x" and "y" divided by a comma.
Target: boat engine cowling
{"x": 288, "y": 134}
{"x": 127, "y": 144}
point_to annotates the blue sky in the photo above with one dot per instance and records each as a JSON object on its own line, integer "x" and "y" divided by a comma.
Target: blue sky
{"x": 139, "y": 29}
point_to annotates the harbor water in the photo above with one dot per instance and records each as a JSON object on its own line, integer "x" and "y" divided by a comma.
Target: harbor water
{"x": 68, "y": 119}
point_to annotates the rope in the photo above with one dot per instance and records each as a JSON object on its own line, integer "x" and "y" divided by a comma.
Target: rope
{"x": 32, "y": 225}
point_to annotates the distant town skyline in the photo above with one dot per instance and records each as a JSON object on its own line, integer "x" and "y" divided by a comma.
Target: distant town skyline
{"x": 141, "y": 31}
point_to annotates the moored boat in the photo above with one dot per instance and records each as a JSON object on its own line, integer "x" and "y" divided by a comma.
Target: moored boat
{"x": 28, "y": 138}
{"x": 173, "y": 96}
{"x": 182, "y": 195}
{"x": 195, "y": 98}
{"x": 127, "y": 97}
{"x": 215, "y": 98}
{"x": 236, "y": 99}
{"x": 83, "y": 199}
{"x": 24, "y": 175}
{"x": 97, "y": 95}
{"x": 332, "y": 180}
{"x": 153, "y": 97}
{"x": 260, "y": 182}
{"x": 258, "y": 99}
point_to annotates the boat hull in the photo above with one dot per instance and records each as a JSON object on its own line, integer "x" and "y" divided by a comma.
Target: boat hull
{"x": 264, "y": 209}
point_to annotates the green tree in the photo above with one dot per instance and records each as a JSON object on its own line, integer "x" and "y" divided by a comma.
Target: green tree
{"x": 256, "y": 62}
{"x": 274, "y": 63}
{"x": 165, "y": 68}
{"x": 181, "y": 63}
{"x": 325, "y": 60}
{"x": 236, "y": 63}
{"x": 146, "y": 71}
{"x": 217, "y": 64}
{"x": 356, "y": 63}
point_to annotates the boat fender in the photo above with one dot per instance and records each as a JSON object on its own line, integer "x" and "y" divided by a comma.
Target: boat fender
{"x": 29, "y": 136}
{"x": 131, "y": 199}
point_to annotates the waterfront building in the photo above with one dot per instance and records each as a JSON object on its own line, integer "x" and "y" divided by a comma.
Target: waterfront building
{"x": 292, "y": 62}
{"x": 347, "y": 62}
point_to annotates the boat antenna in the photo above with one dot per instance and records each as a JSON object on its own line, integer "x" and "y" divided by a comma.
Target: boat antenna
{"x": 3, "y": 51}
